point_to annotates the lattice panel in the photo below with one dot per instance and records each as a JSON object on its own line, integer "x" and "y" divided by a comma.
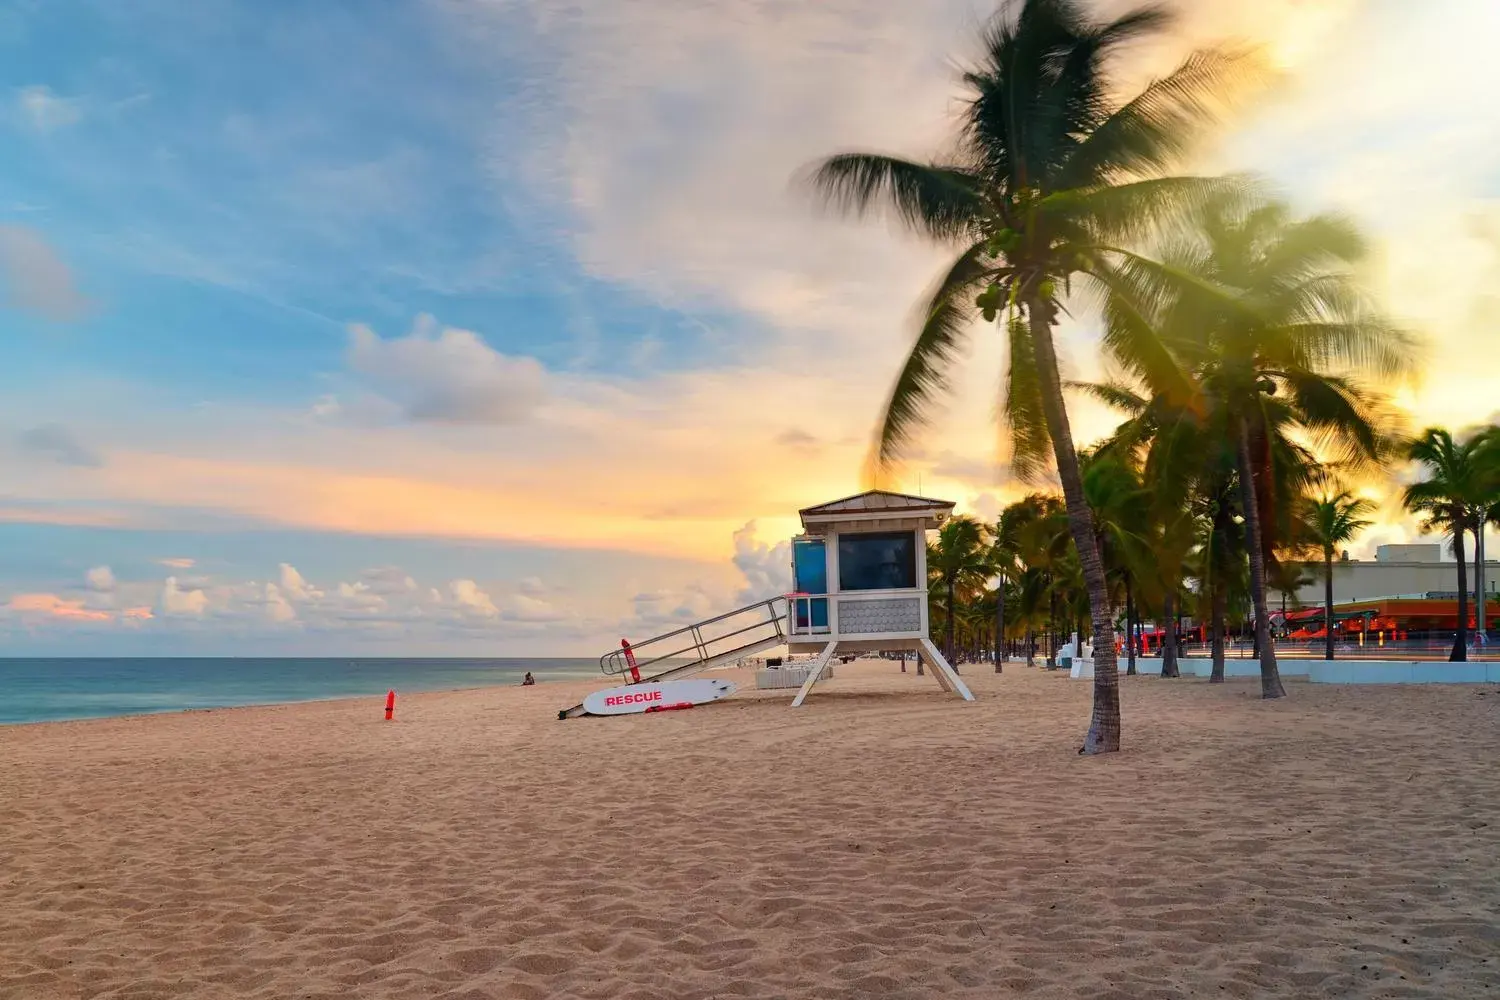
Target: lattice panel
{"x": 875, "y": 617}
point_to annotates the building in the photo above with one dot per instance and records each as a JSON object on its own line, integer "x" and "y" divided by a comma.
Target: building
{"x": 1396, "y": 571}
{"x": 859, "y": 573}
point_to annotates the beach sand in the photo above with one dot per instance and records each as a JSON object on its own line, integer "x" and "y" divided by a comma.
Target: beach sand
{"x": 883, "y": 841}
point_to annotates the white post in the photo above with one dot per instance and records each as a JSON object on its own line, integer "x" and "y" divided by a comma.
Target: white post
{"x": 814, "y": 672}
{"x": 944, "y": 672}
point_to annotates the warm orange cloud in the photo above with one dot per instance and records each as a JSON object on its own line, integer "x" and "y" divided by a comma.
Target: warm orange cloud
{"x": 54, "y": 515}
{"x": 53, "y": 606}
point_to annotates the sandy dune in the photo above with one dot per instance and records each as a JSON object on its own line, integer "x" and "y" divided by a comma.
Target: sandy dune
{"x": 884, "y": 841}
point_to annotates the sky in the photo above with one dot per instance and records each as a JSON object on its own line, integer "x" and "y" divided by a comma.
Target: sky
{"x": 502, "y": 327}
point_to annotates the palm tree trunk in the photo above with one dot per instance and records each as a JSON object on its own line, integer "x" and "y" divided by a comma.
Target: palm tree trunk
{"x": 1460, "y": 652}
{"x": 1000, "y": 625}
{"x": 1051, "y": 623}
{"x": 1169, "y": 637}
{"x": 1328, "y": 602}
{"x": 951, "y": 648}
{"x": 1219, "y": 602}
{"x": 1030, "y": 647}
{"x": 1130, "y": 631}
{"x": 1479, "y": 582}
{"x": 1104, "y": 726}
{"x": 1270, "y": 677}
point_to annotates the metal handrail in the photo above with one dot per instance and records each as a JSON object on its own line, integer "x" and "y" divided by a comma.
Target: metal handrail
{"x": 615, "y": 664}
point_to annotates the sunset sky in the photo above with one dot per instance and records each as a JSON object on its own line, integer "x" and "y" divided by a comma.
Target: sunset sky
{"x": 501, "y": 328}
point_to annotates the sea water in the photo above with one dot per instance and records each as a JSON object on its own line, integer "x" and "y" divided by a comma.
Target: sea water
{"x": 42, "y": 690}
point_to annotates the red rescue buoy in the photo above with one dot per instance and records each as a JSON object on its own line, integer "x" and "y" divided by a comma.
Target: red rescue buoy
{"x": 635, "y": 674}
{"x": 390, "y": 705}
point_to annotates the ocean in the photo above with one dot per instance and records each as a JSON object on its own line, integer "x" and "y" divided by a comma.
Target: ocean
{"x": 44, "y": 690}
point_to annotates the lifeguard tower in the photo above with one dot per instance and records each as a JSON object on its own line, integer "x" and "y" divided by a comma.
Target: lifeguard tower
{"x": 859, "y": 572}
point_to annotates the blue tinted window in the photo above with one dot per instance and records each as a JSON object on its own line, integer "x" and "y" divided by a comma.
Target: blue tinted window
{"x": 884, "y": 561}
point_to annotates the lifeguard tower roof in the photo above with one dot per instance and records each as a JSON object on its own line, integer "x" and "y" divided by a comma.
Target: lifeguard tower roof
{"x": 876, "y": 510}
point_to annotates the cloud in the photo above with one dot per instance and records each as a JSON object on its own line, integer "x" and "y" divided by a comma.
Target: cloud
{"x": 387, "y": 580}
{"x": 359, "y": 596}
{"x": 35, "y": 278}
{"x": 175, "y": 601}
{"x": 176, "y": 562}
{"x": 59, "y": 444}
{"x": 665, "y": 609}
{"x": 973, "y": 471}
{"x": 985, "y": 507}
{"x": 326, "y": 406}
{"x": 278, "y": 609}
{"x": 100, "y": 579}
{"x": 51, "y": 605}
{"x": 44, "y": 110}
{"x": 525, "y": 608}
{"x": 473, "y": 600}
{"x": 766, "y": 568}
{"x": 798, "y": 440}
{"x": 447, "y": 375}
{"x": 294, "y": 586}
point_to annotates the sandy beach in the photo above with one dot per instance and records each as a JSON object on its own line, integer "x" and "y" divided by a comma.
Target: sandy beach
{"x": 885, "y": 840}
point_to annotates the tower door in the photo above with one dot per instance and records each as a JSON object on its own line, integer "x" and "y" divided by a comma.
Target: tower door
{"x": 810, "y": 576}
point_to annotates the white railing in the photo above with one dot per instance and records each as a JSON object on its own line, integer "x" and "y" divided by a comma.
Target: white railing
{"x": 709, "y": 639}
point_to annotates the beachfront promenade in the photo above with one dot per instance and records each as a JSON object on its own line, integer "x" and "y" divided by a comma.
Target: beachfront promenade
{"x": 885, "y": 840}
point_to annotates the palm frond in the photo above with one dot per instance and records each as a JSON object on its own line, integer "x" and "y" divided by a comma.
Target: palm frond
{"x": 1133, "y": 341}
{"x": 949, "y": 312}
{"x": 938, "y": 200}
{"x": 1021, "y": 406}
{"x": 1161, "y": 124}
{"x": 1117, "y": 395}
{"x": 1141, "y": 210}
{"x": 1335, "y": 409}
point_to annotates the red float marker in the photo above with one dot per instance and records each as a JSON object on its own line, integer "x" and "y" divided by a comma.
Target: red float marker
{"x": 390, "y": 705}
{"x": 635, "y": 674}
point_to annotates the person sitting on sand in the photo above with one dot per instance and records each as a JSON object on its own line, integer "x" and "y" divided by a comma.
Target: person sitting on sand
{"x": 528, "y": 680}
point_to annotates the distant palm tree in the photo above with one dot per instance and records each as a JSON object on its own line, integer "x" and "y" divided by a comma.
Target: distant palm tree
{"x": 1121, "y": 510}
{"x": 1331, "y": 521}
{"x": 958, "y": 558}
{"x": 1052, "y": 176}
{"x": 1448, "y": 500}
{"x": 1005, "y": 561}
{"x": 1487, "y": 453}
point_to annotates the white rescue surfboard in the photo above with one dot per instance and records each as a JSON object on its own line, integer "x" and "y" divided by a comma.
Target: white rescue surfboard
{"x": 659, "y": 697}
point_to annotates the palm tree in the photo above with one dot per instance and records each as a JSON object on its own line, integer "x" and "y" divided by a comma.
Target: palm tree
{"x": 1332, "y": 520}
{"x": 1263, "y": 314}
{"x": 1121, "y": 511}
{"x": 1052, "y": 175}
{"x": 1168, "y": 439}
{"x": 1219, "y": 561}
{"x": 1005, "y": 560}
{"x": 1448, "y": 500}
{"x": 1487, "y": 445}
{"x": 957, "y": 558}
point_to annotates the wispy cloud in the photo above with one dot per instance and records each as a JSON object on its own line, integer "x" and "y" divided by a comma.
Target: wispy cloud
{"x": 61, "y": 445}
{"x": 42, "y": 109}
{"x": 35, "y": 278}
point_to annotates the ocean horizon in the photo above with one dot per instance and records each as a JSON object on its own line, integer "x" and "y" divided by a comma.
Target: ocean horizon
{"x": 61, "y": 689}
